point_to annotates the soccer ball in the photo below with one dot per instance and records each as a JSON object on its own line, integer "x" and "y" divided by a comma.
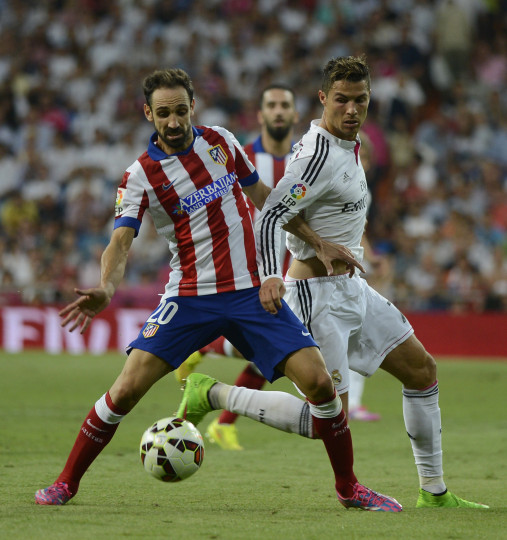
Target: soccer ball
{"x": 171, "y": 449}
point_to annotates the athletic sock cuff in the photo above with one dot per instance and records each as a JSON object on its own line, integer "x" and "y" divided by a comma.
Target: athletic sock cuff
{"x": 107, "y": 411}
{"x": 326, "y": 409}
{"x": 425, "y": 392}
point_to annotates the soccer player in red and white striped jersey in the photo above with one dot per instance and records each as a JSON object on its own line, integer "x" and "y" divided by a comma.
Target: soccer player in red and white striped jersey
{"x": 192, "y": 181}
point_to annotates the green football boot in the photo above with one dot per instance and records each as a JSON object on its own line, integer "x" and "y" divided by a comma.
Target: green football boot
{"x": 195, "y": 404}
{"x": 447, "y": 500}
{"x": 225, "y": 435}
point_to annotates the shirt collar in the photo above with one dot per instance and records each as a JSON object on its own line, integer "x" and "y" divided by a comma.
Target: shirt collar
{"x": 347, "y": 145}
{"x": 258, "y": 148}
{"x": 157, "y": 154}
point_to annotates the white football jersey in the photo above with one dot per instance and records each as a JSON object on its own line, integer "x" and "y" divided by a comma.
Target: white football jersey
{"x": 197, "y": 205}
{"x": 325, "y": 181}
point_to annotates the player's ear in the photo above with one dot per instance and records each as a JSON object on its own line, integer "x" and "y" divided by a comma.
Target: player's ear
{"x": 322, "y": 97}
{"x": 192, "y": 105}
{"x": 147, "y": 112}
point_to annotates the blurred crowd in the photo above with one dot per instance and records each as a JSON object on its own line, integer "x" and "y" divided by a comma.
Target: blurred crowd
{"x": 435, "y": 142}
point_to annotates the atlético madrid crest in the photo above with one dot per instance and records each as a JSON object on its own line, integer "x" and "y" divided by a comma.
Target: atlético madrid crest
{"x": 150, "y": 330}
{"x": 218, "y": 155}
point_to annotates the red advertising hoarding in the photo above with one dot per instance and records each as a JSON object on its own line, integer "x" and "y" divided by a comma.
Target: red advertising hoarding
{"x": 27, "y": 327}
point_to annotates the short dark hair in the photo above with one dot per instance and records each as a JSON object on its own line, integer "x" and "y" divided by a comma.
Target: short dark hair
{"x": 276, "y": 86}
{"x": 349, "y": 68}
{"x": 167, "y": 78}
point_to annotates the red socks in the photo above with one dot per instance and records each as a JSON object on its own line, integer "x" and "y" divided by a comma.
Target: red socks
{"x": 215, "y": 347}
{"x": 94, "y": 435}
{"x": 249, "y": 378}
{"x": 335, "y": 434}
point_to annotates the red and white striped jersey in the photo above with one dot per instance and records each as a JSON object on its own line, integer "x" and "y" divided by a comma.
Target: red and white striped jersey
{"x": 197, "y": 205}
{"x": 271, "y": 169}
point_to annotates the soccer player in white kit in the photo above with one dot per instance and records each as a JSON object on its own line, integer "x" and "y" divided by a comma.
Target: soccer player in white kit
{"x": 269, "y": 152}
{"x": 353, "y": 324}
{"x": 192, "y": 180}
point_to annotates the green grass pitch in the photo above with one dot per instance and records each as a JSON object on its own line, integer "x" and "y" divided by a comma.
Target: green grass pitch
{"x": 280, "y": 486}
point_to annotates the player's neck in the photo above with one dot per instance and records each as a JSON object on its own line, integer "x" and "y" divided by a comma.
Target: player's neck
{"x": 277, "y": 148}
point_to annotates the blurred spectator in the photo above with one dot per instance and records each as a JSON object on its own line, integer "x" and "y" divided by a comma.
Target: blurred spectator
{"x": 16, "y": 212}
{"x": 454, "y": 33}
{"x": 12, "y": 171}
{"x": 464, "y": 285}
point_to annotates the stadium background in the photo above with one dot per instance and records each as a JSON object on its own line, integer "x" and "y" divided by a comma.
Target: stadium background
{"x": 71, "y": 121}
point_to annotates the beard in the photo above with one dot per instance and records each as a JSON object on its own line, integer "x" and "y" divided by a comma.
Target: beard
{"x": 278, "y": 133}
{"x": 181, "y": 143}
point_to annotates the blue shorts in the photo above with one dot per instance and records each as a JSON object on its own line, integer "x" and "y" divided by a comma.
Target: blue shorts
{"x": 182, "y": 325}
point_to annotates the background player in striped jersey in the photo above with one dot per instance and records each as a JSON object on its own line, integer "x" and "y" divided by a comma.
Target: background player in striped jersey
{"x": 192, "y": 180}
{"x": 270, "y": 153}
{"x": 353, "y": 324}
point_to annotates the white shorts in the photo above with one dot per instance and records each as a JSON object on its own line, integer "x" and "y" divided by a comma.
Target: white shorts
{"x": 352, "y": 323}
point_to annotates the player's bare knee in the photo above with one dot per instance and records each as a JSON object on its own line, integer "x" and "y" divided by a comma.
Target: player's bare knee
{"x": 430, "y": 371}
{"x": 423, "y": 373}
{"x": 124, "y": 394}
{"x": 320, "y": 388}
{"x": 411, "y": 364}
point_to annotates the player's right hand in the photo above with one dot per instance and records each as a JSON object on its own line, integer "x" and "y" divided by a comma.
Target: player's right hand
{"x": 81, "y": 311}
{"x": 271, "y": 294}
{"x": 329, "y": 252}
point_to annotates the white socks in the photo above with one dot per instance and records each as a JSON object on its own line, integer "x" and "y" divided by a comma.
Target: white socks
{"x": 280, "y": 410}
{"x": 356, "y": 388}
{"x": 288, "y": 413}
{"x": 423, "y": 424}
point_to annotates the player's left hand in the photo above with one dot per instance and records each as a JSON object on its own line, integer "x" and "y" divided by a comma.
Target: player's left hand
{"x": 271, "y": 294}
{"x": 329, "y": 252}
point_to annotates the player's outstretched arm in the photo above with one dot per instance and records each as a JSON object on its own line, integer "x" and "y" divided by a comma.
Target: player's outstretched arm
{"x": 93, "y": 301}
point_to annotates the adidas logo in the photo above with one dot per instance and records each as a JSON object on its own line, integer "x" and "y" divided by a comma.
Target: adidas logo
{"x": 346, "y": 177}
